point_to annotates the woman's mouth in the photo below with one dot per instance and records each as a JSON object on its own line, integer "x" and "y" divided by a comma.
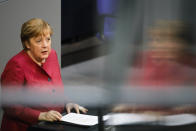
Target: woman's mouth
{"x": 44, "y": 52}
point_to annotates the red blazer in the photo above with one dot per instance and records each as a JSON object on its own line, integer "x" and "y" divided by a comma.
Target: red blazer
{"x": 22, "y": 71}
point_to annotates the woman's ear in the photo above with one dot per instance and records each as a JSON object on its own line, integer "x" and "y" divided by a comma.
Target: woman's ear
{"x": 27, "y": 45}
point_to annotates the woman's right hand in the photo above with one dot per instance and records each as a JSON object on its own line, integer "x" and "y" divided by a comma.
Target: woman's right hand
{"x": 50, "y": 116}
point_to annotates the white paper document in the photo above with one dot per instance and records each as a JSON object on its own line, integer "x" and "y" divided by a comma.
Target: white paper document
{"x": 80, "y": 119}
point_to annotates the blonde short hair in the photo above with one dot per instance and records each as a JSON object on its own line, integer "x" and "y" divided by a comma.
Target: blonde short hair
{"x": 33, "y": 28}
{"x": 173, "y": 30}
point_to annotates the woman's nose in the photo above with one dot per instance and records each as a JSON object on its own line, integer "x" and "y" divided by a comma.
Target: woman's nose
{"x": 44, "y": 43}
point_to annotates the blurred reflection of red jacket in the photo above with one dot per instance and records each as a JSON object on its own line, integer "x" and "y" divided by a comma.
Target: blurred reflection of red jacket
{"x": 160, "y": 73}
{"x": 22, "y": 72}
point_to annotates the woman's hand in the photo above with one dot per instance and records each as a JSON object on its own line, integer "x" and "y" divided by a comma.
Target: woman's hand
{"x": 50, "y": 116}
{"x": 77, "y": 108}
{"x": 122, "y": 108}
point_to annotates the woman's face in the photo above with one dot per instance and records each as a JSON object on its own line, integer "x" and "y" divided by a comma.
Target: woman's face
{"x": 167, "y": 49}
{"x": 39, "y": 48}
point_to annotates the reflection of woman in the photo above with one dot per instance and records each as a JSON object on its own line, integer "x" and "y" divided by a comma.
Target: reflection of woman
{"x": 36, "y": 64}
{"x": 167, "y": 63}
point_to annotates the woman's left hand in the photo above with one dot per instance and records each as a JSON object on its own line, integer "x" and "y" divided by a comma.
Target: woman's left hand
{"x": 76, "y": 107}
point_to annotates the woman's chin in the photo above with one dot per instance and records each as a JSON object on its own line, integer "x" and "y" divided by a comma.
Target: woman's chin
{"x": 43, "y": 59}
{"x": 44, "y": 56}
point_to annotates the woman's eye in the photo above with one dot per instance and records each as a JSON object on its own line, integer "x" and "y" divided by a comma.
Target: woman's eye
{"x": 38, "y": 41}
{"x": 48, "y": 39}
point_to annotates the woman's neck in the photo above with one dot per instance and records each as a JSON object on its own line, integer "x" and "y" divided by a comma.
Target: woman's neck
{"x": 38, "y": 62}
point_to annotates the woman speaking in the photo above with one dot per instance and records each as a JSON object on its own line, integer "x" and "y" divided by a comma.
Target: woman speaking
{"x": 36, "y": 65}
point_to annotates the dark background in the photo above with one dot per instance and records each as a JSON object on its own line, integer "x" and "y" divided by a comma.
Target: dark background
{"x": 78, "y": 19}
